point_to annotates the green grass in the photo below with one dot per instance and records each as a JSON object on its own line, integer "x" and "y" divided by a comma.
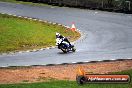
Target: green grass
{"x": 69, "y": 84}
{"x": 26, "y": 3}
{"x": 64, "y": 84}
{"x": 22, "y": 34}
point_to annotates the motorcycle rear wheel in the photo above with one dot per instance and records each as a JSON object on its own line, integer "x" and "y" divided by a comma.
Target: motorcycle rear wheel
{"x": 73, "y": 49}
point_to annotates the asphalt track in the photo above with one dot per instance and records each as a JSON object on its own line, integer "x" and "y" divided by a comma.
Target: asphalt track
{"x": 106, "y": 35}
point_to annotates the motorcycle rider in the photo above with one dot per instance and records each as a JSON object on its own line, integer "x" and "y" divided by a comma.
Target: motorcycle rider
{"x": 58, "y": 35}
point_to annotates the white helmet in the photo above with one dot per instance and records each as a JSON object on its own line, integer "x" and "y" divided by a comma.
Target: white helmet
{"x": 57, "y": 34}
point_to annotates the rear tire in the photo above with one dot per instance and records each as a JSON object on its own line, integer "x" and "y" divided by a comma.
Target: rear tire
{"x": 73, "y": 49}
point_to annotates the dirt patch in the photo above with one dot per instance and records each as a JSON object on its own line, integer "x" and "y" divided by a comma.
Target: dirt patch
{"x": 60, "y": 72}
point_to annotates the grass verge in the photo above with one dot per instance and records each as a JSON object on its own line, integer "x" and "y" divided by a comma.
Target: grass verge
{"x": 69, "y": 84}
{"x": 23, "y": 34}
{"x": 25, "y": 3}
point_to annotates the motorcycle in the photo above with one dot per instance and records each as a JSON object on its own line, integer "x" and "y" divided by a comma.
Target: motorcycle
{"x": 64, "y": 46}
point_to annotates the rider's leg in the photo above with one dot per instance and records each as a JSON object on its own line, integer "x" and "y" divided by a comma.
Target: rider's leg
{"x": 67, "y": 41}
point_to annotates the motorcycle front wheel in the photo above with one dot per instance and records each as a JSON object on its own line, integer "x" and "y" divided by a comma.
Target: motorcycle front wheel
{"x": 63, "y": 49}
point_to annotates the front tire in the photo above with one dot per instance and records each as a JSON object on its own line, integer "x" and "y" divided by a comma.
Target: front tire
{"x": 64, "y": 48}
